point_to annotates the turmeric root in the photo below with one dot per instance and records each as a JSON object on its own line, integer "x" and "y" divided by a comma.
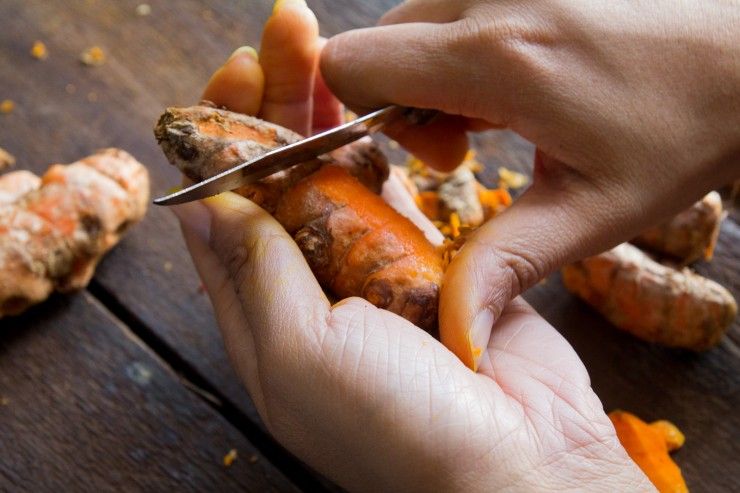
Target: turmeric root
{"x": 648, "y": 445}
{"x": 203, "y": 141}
{"x": 53, "y": 234}
{"x": 688, "y": 236}
{"x": 355, "y": 243}
{"x": 652, "y": 301}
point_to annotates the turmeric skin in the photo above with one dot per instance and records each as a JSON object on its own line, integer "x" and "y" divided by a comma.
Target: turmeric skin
{"x": 54, "y": 230}
{"x": 648, "y": 446}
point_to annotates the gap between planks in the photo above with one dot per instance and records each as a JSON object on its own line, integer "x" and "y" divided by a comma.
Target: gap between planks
{"x": 291, "y": 467}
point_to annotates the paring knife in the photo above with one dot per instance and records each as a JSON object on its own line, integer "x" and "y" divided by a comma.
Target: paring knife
{"x": 300, "y": 152}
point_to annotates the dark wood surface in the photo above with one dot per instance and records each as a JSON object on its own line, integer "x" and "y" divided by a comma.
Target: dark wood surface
{"x": 144, "y": 305}
{"x": 86, "y": 406}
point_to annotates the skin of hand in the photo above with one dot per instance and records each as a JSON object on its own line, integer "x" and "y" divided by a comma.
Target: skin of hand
{"x": 634, "y": 108}
{"x": 365, "y": 397}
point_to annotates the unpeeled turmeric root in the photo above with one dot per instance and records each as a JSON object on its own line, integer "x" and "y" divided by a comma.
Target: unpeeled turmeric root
{"x": 648, "y": 445}
{"x": 652, "y": 301}
{"x": 55, "y": 229}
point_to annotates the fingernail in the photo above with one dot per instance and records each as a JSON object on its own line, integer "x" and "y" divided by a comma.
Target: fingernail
{"x": 248, "y": 50}
{"x": 480, "y": 332}
{"x": 279, "y": 4}
{"x": 196, "y": 218}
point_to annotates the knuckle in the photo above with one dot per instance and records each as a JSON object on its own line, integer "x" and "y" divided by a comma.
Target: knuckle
{"x": 521, "y": 268}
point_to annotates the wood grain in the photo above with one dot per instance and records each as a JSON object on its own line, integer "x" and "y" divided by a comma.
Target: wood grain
{"x": 65, "y": 110}
{"x": 84, "y": 407}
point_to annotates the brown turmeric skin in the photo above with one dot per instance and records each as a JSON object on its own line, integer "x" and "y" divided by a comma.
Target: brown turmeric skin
{"x": 54, "y": 233}
{"x": 689, "y": 235}
{"x": 203, "y": 141}
{"x": 652, "y": 301}
{"x": 355, "y": 243}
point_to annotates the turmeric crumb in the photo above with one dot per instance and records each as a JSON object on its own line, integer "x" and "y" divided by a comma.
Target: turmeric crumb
{"x": 7, "y": 106}
{"x": 230, "y": 457}
{"x": 93, "y": 56}
{"x": 512, "y": 179}
{"x": 4, "y": 401}
{"x": 350, "y": 115}
{"x": 454, "y": 224}
{"x": 7, "y": 160}
{"x": 143, "y": 9}
{"x": 167, "y": 266}
{"x": 39, "y": 51}
{"x": 253, "y": 458}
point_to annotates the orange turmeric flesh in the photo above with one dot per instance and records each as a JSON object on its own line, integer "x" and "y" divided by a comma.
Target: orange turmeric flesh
{"x": 357, "y": 245}
{"x": 648, "y": 446}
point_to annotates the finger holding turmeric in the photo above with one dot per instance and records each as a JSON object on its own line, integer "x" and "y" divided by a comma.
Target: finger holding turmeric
{"x": 239, "y": 84}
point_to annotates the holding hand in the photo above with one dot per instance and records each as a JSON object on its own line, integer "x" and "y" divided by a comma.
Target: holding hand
{"x": 357, "y": 392}
{"x": 634, "y": 108}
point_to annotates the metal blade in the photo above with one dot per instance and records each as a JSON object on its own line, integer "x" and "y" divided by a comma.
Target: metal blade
{"x": 286, "y": 157}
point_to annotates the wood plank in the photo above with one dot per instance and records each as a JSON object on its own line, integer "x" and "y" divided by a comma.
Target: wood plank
{"x": 165, "y": 59}
{"x": 86, "y": 407}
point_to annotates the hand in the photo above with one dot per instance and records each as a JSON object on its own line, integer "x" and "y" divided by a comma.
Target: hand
{"x": 634, "y": 108}
{"x": 359, "y": 393}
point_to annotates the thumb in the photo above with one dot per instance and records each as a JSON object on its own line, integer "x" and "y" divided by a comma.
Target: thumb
{"x": 556, "y": 221}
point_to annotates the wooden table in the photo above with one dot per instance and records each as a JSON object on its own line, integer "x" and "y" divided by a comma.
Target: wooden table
{"x": 125, "y": 386}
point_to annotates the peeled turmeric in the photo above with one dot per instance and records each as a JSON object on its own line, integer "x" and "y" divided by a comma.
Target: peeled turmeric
{"x": 55, "y": 229}
{"x": 648, "y": 445}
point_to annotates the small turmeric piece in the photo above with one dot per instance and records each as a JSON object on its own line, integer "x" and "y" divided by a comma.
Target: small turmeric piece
{"x": 93, "y": 56}
{"x": 512, "y": 179}
{"x": 7, "y": 106}
{"x": 54, "y": 230}
{"x": 39, "y": 51}
{"x": 648, "y": 445}
{"x": 652, "y": 301}
{"x": 230, "y": 457}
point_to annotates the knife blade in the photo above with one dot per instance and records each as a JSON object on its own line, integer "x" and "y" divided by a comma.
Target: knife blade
{"x": 314, "y": 147}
